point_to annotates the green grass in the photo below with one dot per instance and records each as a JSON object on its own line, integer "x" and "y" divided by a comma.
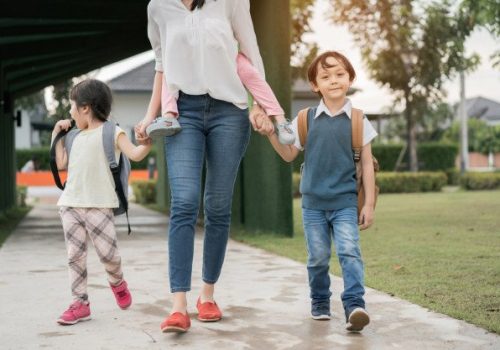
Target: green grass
{"x": 438, "y": 250}
{"x": 9, "y": 220}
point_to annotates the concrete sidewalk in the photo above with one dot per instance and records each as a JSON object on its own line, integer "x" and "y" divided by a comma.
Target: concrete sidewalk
{"x": 264, "y": 299}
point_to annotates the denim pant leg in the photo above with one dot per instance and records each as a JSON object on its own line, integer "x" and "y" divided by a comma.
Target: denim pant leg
{"x": 318, "y": 243}
{"x": 184, "y": 154}
{"x": 228, "y": 133}
{"x": 346, "y": 240}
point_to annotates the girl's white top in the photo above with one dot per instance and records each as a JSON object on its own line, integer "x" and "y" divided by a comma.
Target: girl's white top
{"x": 90, "y": 183}
{"x": 197, "y": 50}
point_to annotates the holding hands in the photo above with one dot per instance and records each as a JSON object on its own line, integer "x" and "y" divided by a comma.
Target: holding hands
{"x": 260, "y": 121}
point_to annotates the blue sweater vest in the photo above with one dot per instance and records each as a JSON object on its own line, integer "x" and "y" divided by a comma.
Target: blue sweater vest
{"x": 329, "y": 173}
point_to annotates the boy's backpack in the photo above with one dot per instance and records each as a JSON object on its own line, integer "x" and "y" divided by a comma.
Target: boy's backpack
{"x": 357, "y": 145}
{"x": 120, "y": 171}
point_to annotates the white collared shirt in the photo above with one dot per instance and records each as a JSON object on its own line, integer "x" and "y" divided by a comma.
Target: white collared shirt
{"x": 369, "y": 132}
{"x": 197, "y": 49}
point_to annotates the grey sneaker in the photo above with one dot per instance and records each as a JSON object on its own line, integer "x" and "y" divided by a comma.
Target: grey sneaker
{"x": 320, "y": 310}
{"x": 285, "y": 133}
{"x": 163, "y": 126}
{"x": 357, "y": 320}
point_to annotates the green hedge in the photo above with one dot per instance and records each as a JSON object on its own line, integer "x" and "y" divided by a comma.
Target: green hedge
{"x": 437, "y": 155}
{"x": 395, "y": 182}
{"x": 144, "y": 191}
{"x": 43, "y": 156}
{"x": 41, "y": 153}
{"x": 296, "y": 184}
{"x": 480, "y": 181}
{"x": 387, "y": 155}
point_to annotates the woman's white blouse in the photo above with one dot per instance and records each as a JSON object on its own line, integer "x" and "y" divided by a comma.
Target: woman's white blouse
{"x": 197, "y": 50}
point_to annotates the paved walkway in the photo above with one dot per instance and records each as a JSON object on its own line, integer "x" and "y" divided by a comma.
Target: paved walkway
{"x": 264, "y": 299}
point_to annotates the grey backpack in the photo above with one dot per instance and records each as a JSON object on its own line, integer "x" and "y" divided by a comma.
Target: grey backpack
{"x": 120, "y": 171}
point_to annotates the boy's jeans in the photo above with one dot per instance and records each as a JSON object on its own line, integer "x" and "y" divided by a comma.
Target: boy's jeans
{"x": 214, "y": 133}
{"x": 319, "y": 227}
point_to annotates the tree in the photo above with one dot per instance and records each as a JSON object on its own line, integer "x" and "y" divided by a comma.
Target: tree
{"x": 412, "y": 50}
{"x": 485, "y": 13}
{"x": 303, "y": 52}
{"x": 483, "y": 138}
{"x": 60, "y": 96}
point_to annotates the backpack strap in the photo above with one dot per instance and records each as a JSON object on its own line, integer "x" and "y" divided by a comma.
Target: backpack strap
{"x": 69, "y": 136}
{"x": 357, "y": 132}
{"x": 302, "y": 126}
{"x": 108, "y": 141}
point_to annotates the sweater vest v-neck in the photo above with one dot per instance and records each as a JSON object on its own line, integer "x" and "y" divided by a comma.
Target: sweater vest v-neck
{"x": 329, "y": 174}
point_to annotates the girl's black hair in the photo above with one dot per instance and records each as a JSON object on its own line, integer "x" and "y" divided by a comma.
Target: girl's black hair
{"x": 95, "y": 94}
{"x": 197, "y": 4}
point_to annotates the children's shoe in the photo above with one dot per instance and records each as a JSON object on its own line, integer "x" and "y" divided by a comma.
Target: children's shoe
{"x": 320, "y": 310}
{"x": 163, "y": 126}
{"x": 76, "y": 312}
{"x": 285, "y": 133}
{"x": 357, "y": 320}
{"x": 122, "y": 295}
{"x": 176, "y": 323}
{"x": 208, "y": 311}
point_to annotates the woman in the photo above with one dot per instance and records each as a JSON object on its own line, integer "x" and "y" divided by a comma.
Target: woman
{"x": 196, "y": 44}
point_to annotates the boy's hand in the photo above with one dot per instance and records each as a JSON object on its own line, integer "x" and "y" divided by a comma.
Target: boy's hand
{"x": 64, "y": 124}
{"x": 366, "y": 217}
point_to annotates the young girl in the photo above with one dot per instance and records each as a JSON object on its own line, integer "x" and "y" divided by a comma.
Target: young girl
{"x": 252, "y": 80}
{"x": 87, "y": 202}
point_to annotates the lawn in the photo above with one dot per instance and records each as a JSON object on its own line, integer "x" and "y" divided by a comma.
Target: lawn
{"x": 438, "y": 250}
{"x": 9, "y": 220}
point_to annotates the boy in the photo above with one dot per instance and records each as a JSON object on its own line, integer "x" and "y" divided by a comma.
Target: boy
{"x": 328, "y": 187}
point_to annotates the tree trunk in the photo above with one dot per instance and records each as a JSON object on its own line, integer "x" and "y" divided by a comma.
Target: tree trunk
{"x": 411, "y": 135}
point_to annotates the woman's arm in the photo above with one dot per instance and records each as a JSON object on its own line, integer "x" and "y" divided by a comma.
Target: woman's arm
{"x": 367, "y": 213}
{"x": 133, "y": 152}
{"x": 154, "y": 104}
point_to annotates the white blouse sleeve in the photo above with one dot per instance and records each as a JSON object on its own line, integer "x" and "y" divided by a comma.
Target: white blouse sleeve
{"x": 244, "y": 33}
{"x": 155, "y": 39}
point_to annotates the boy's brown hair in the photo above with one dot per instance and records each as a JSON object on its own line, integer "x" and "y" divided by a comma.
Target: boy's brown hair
{"x": 312, "y": 71}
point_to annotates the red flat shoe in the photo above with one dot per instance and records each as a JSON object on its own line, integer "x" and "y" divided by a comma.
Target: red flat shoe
{"x": 208, "y": 311}
{"x": 176, "y": 323}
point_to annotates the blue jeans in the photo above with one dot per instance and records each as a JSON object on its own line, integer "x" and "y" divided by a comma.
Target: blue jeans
{"x": 319, "y": 228}
{"x": 215, "y": 133}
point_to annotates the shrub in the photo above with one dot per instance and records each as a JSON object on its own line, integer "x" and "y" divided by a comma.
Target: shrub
{"x": 437, "y": 155}
{"x": 387, "y": 155}
{"x": 392, "y": 182}
{"x": 21, "y": 196}
{"x": 480, "y": 181}
{"x": 144, "y": 191}
{"x": 453, "y": 175}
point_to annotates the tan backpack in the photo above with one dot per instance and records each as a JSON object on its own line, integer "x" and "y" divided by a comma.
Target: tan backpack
{"x": 357, "y": 145}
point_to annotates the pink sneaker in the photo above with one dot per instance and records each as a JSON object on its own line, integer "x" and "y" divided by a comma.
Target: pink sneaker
{"x": 122, "y": 295}
{"x": 76, "y": 312}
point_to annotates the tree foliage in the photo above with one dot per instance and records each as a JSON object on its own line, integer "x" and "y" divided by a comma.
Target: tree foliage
{"x": 412, "y": 49}
{"x": 303, "y": 52}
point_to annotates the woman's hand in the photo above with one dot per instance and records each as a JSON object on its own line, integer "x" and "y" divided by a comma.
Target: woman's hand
{"x": 260, "y": 121}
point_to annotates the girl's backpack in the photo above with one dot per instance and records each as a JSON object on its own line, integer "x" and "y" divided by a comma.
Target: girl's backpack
{"x": 120, "y": 170}
{"x": 357, "y": 145}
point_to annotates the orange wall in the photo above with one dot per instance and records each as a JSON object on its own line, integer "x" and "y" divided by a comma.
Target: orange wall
{"x": 44, "y": 178}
